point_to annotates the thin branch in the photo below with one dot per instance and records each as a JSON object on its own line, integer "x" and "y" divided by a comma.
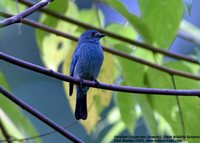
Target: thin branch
{"x": 39, "y": 136}
{"x": 77, "y": 81}
{"x": 116, "y": 36}
{"x": 46, "y": 133}
{"x": 110, "y": 50}
{"x": 18, "y": 18}
{"x": 39, "y": 115}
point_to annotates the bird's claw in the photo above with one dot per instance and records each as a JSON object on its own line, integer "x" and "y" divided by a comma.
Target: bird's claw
{"x": 97, "y": 83}
{"x": 81, "y": 82}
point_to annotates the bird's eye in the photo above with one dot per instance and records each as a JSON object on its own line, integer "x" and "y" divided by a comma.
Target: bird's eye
{"x": 93, "y": 33}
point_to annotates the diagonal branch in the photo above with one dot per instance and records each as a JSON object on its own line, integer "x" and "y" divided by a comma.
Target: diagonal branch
{"x": 66, "y": 78}
{"x": 116, "y": 36}
{"x": 109, "y": 50}
{"x": 18, "y": 18}
{"x": 39, "y": 115}
{"x": 38, "y": 136}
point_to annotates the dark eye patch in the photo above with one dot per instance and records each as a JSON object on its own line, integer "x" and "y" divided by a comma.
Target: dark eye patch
{"x": 93, "y": 33}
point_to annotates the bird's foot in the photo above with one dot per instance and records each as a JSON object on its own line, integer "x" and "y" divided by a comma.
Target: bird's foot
{"x": 81, "y": 82}
{"x": 97, "y": 83}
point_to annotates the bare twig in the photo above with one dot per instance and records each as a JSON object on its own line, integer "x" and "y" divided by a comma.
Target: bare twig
{"x": 66, "y": 78}
{"x": 18, "y": 18}
{"x": 39, "y": 115}
{"x": 116, "y": 36}
{"x": 40, "y": 135}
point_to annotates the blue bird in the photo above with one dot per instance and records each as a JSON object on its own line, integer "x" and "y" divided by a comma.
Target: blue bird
{"x": 86, "y": 64}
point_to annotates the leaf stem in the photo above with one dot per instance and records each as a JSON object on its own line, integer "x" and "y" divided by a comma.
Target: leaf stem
{"x": 179, "y": 107}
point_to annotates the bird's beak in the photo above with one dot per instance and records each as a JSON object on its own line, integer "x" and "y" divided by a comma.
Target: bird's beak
{"x": 101, "y": 35}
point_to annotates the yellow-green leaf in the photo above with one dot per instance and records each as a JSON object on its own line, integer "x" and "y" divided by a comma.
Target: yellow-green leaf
{"x": 163, "y": 18}
{"x": 11, "y": 6}
{"x": 139, "y": 25}
{"x": 167, "y": 106}
{"x": 53, "y": 49}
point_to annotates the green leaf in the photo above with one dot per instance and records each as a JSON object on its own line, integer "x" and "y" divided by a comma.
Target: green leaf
{"x": 181, "y": 66}
{"x": 115, "y": 130}
{"x": 127, "y": 105}
{"x": 52, "y": 48}
{"x": 91, "y": 16}
{"x": 11, "y": 6}
{"x": 140, "y": 26}
{"x": 167, "y": 107}
{"x": 131, "y": 77}
{"x": 123, "y": 30}
{"x": 129, "y": 70}
{"x": 189, "y": 104}
{"x": 112, "y": 118}
{"x": 56, "y": 6}
{"x": 13, "y": 118}
{"x": 147, "y": 113}
{"x": 149, "y": 56}
{"x": 127, "y": 102}
{"x": 164, "y": 105}
{"x": 163, "y": 18}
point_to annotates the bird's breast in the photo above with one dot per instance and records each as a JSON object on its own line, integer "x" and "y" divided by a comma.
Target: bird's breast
{"x": 90, "y": 62}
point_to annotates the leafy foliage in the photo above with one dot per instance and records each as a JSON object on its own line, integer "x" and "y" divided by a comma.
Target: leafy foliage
{"x": 11, "y": 6}
{"x": 168, "y": 13}
{"x": 126, "y": 105}
{"x": 13, "y": 119}
{"x": 53, "y": 48}
{"x": 134, "y": 20}
{"x": 163, "y": 19}
{"x": 168, "y": 109}
{"x": 158, "y": 24}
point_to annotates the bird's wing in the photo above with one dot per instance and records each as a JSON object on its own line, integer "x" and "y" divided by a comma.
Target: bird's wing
{"x": 72, "y": 67}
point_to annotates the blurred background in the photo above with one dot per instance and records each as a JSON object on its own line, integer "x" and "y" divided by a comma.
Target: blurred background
{"x": 47, "y": 94}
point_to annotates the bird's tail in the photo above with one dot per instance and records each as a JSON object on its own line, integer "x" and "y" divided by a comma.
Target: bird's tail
{"x": 81, "y": 103}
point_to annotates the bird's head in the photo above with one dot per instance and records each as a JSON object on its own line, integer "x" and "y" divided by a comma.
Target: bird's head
{"x": 91, "y": 36}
